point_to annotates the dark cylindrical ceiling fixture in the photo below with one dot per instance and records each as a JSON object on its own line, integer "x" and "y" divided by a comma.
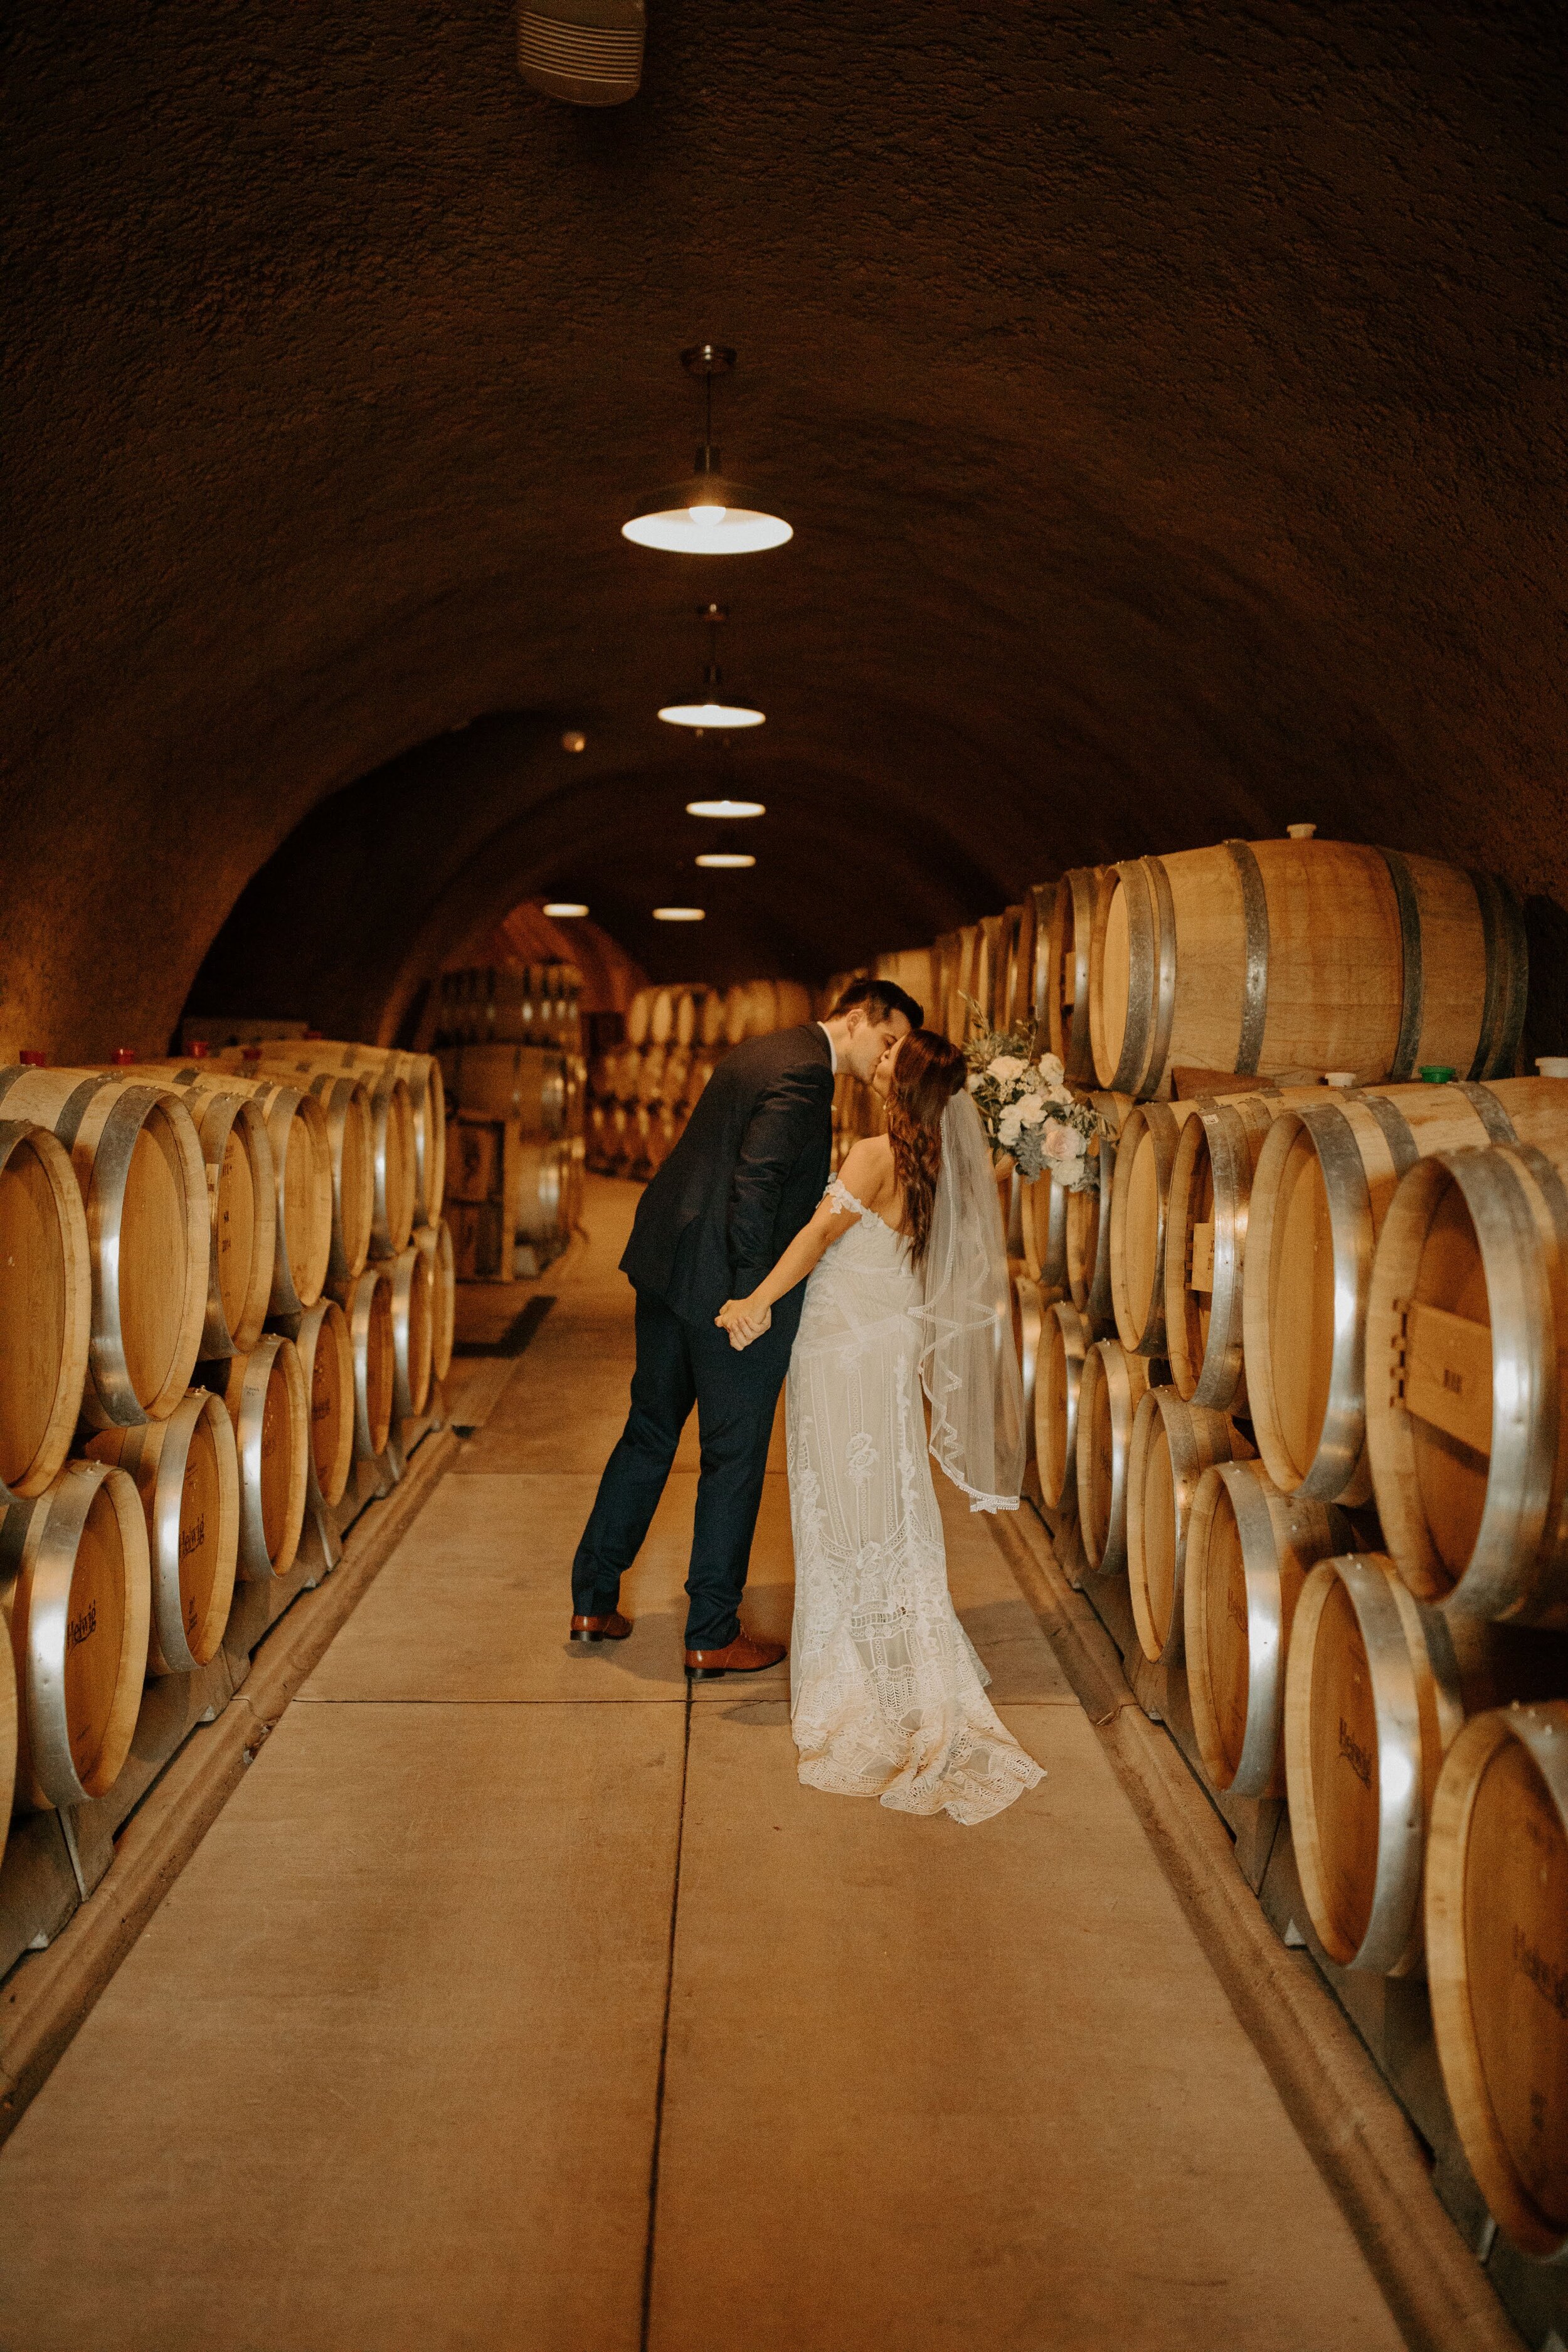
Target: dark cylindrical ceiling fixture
{"x": 588, "y": 52}
{"x": 707, "y": 515}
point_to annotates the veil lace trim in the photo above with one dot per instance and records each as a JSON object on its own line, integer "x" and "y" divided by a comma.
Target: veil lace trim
{"x": 969, "y": 1364}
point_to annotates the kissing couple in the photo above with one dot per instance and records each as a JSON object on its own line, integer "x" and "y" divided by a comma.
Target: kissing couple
{"x": 878, "y": 1291}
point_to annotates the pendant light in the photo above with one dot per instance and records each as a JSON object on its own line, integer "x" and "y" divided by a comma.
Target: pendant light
{"x": 714, "y": 710}
{"x": 725, "y": 808}
{"x": 707, "y": 515}
{"x": 727, "y": 860}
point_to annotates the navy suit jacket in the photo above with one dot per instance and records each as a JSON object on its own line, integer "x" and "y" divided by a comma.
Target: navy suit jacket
{"x": 744, "y": 1178}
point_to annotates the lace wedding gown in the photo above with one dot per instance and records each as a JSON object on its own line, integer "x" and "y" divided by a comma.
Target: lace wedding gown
{"x": 886, "y": 1692}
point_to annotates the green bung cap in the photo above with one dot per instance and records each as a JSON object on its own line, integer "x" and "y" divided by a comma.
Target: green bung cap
{"x": 1436, "y": 1074}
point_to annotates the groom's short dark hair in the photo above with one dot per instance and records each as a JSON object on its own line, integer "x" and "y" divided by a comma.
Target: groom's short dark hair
{"x": 880, "y": 998}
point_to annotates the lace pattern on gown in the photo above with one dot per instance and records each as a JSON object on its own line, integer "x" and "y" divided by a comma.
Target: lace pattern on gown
{"x": 886, "y": 1692}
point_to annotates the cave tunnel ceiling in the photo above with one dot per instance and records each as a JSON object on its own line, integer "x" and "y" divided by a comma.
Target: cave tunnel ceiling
{"x": 1167, "y": 403}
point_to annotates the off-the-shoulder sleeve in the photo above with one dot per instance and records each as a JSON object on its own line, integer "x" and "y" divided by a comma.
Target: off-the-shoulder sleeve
{"x": 840, "y": 1196}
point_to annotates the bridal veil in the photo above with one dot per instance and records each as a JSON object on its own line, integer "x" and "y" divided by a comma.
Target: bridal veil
{"x": 969, "y": 1364}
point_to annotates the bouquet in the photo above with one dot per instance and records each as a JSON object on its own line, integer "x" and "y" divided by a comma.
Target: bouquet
{"x": 1028, "y": 1112}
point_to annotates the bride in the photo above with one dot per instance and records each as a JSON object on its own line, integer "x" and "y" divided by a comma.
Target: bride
{"x": 908, "y": 1289}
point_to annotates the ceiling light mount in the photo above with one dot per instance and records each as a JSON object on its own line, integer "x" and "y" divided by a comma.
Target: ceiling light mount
{"x": 707, "y": 515}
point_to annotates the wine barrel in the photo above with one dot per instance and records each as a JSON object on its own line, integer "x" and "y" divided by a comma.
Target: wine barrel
{"x": 1173, "y": 1444}
{"x": 326, "y": 1357}
{"x": 436, "y": 1242}
{"x": 1497, "y": 1962}
{"x": 367, "y": 1306}
{"x": 1248, "y": 1550}
{"x": 138, "y": 1162}
{"x": 525, "y": 1083}
{"x": 393, "y": 1139}
{"x": 987, "y": 968}
{"x": 542, "y": 1204}
{"x": 1027, "y": 1333}
{"x": 266, "y": 1401}
{"x": 301, "y": 1169}
{"x": 1069, "y": 933}
{"x": 1015, "y": 966}
{"x": 1088, "y": 1220}
{"x": 238, "y": 1156}
{"x": 1376, "y": 1687}
{"x": 639, "y": 1016}
{"x": 413, "y": 1332}
{"x": 711, "y": 1020}
{"x": 1206, "y": 1243}
{"x": 421, "y": 1130}
{"x": 186, "y": 1472}
{"x": 1140, "y": 1190}
{"x": 1325, "y": 1178}
{"x": 10, "y": 1729}
{"x": 1110, "y": 1388}
{"x": 345, "y": 1100}
{"x": 1063, "y": 1344}
{"x": 1466, "y": 1405}
{"x": 1268, "y": 955}
{"x": 1043, "y": 1218}
{"x": 75, "y": 1590}
{"x": 45, "y": 1292}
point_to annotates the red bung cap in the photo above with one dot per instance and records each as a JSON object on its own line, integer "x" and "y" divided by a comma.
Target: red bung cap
{"x": 253, "y": 1053}
{"x": 34, "y": 1061}
{"x": 312, "y": 1033}
{"x": 123, "y": 1056}
{"x": 199, "y": 1049}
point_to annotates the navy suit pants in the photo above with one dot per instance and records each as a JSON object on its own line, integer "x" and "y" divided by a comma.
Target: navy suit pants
{"x": 679, "y": 1365}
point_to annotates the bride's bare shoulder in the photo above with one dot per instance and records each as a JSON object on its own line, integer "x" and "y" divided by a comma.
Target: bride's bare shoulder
{"x": 867, "y": 1171}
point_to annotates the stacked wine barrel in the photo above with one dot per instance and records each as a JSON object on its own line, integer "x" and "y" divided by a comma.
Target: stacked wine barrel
{"x": 531, "y": 1005}
{"x": 1299, "y": 1359}
{"x": 175, "y": 1239}
{"x": 642, "y": 1092}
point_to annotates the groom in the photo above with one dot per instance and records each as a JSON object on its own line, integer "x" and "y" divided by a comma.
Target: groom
{"x": 745, "y": 1176}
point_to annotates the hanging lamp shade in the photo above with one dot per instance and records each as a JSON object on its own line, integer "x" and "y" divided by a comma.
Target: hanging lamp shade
{"x": 587, "y": 52}
{"x": 716, "y": 710}
{"x": 708, "y": 514}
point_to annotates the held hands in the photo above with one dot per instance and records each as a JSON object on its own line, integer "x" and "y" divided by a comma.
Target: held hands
{"x": 742, "y": 1321}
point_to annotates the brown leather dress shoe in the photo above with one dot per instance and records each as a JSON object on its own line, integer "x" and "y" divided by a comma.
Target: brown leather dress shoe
{"x": 741, "y": 1656}
{"x": 612, "y": 1628}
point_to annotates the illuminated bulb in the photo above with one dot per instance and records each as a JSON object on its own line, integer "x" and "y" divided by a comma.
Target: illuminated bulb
{"x": 725, "y": 857}
{"x": 710, "y": 714}
{"x": 680, "y": 914}
{"x": 709, "y": 517}
{"x": 725, "y": 808}
{"x": 563, "y": 910}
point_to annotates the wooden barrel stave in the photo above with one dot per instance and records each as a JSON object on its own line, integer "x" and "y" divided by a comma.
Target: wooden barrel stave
{"x": 1248, "y": 1550}
{"x": 436, "y": 1242}
{"x": 1173, "y": 1444}
{"x": 186, "y": 1472}
{"x": 45, "y": 1292}
{"x": 1066, "y": 989}
{"x": 75, "y": 1588}
{"x": 138, "y": 1162}
{"x": 1086, "y": 1221}
{"x": 302, "y": 1170}
{"x": 1140, "y": 1192}
{"x": 1497, "y": 1941}
{"x": 1110, "y": 1389}
{"x": 268, "y": 1403}
{"x": 1028, "y": 1331}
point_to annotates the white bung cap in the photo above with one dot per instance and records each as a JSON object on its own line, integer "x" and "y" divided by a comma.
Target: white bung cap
{"x": 1552, "y": 1066}
{"x": 1339, "y": 1077}
{"x": 1301, "y": 832}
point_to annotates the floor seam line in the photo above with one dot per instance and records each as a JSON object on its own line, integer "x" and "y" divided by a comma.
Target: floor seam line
{"x": 647, "y": 2314}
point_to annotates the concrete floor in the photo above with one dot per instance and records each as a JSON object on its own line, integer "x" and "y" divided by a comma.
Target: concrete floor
{"x": 514, "y": 2002}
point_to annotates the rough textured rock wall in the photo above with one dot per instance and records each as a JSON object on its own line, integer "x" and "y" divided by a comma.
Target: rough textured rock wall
{"x": 1169, "y": 403}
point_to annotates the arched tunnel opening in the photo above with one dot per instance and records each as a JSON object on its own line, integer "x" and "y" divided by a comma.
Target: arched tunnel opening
{"x": 486, "y": 1255}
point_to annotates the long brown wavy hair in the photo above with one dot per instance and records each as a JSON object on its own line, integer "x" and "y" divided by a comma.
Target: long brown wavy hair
{"x": 927, "y": 1074}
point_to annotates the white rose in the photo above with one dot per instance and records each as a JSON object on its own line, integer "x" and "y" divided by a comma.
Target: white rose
{"x": 1063, "y": 1094}
{"x": 1051, "y": 1069}
{"x": 1009, "y": 1127}
{"x": 1062, "y": 1143}
{"x": 1005, "y": 1068}
{"x": 1032, "y": 1110}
